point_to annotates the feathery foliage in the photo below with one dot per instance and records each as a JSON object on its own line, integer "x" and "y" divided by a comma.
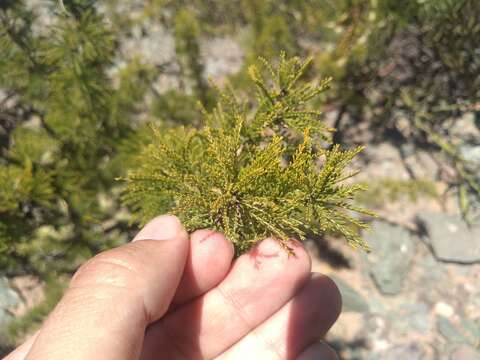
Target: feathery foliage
{"x": 238, "y": 175}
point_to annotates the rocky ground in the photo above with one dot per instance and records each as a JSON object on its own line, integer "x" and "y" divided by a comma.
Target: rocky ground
{"x": 416, "y": 295}
{"x": 408, "y": 298}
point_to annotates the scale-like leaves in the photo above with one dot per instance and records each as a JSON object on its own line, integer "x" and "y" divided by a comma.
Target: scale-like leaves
{"x": 237, "y": 174}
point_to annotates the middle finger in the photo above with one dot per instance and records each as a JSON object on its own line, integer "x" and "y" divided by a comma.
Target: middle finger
{"x": 259, "y": 283}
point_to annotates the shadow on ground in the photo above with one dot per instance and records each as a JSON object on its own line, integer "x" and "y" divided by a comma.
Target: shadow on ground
{"x": 351, "y": 350}
{"x": 328, "y": 254}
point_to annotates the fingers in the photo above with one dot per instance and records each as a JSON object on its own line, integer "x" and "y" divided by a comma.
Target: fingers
{"x": 259, "y": 283}
{"x": 318, "y": 351}
{"x": 303, "y": 320}
{"x": 208, "y": 262}
{"x": 114, "y": 296}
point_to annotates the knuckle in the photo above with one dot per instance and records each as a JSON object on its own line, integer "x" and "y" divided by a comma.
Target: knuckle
{"x": 114, "y": 268}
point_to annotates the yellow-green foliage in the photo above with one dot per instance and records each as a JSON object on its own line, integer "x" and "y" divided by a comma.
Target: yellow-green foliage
{"x": 63, "y": 124}
{"x": 20, "y": 184}
{"x": 242, "y": 173}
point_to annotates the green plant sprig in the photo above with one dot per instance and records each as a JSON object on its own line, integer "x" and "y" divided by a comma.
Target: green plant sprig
{"x": 241, "y": 175}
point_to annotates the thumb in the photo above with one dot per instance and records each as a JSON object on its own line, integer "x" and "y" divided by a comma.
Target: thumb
{"x": 115, "y": 295}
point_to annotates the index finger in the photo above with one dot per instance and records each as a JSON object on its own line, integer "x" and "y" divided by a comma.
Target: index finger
{"x": 114, "y": 296}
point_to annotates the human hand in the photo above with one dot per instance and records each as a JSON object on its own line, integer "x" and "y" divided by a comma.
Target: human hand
{"x": 168, "y": 295}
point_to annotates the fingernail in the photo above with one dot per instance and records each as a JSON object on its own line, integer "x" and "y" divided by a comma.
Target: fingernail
{"x": 163, "y": 227}
{"x": 295, "y": 243}
{"x": 270, "y": 248}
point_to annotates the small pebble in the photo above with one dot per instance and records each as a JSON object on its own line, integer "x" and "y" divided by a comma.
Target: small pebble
{"x": 443, "y": 309}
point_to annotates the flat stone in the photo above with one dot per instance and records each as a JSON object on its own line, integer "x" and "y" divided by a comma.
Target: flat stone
{"x": 8, "y": 299}
{"x": 411, "y": 316}
{"x": 431, "y": 271}
{"x": 409, "y": 351}
{"x": 384, "y": 159}
{"x": 5, "y": 318}
{"x": 451, "y": 239}
{"x": 471, "y": 154}
{"x": 449, "y": 331}
{"x": 221, "y": 57}
{"x": 392, "y": 252}
{"x": 352, "y": 300}
{"x": 465, "y": 128}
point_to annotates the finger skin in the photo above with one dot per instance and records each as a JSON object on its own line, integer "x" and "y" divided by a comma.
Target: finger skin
{"x": 259, "y": 283}
{"x": 303, "y": 320}
{"x": 208, "y": 263}
{"x": 318, "y": 351}
{"x": 21, "y": 352}
{"x": 114, "y": 296}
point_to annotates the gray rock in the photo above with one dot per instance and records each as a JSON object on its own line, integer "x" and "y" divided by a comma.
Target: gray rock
{"x": 8, "y": 299}
{"x": 464, "y": 352}
{"x": 411, "y": 317}
{"x": 451, "y": 238}
{"x": 221, "y": 56}
{"x": 471, "y": 154}
{"x": 44, "y": 14}
{"x": 423, "y": 165}
{"x": 389, "y": 262}
{"x": 449, "y": 331}
{"x": 472, "y": 330}
{"x": 409, "y": 351}
{"x": 351, "y": 299}
{"x": 383, "y": 159}
{"x": 432, "y": 270}
{"x": 465, "y": 128}
{"x": 156, "y": 47}
{"x": 473, "y": 213}
{"x": 377, "y": 305}
{"x": 5, "y": 318}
